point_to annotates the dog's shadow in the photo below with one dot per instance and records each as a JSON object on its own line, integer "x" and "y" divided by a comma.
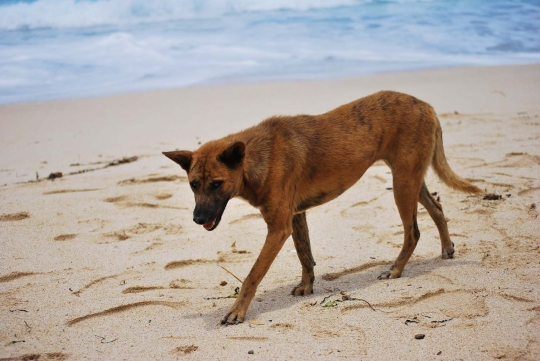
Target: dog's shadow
{"x": 350, "y": 280}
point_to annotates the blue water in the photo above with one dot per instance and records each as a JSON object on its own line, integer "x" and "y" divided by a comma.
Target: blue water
{"x": 52, "y": 49}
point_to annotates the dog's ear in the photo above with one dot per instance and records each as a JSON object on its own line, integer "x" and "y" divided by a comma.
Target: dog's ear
{"x": 233, "y": 155}
{"x": 182, "y": 157}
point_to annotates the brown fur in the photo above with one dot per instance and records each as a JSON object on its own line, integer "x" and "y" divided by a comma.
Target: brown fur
{"x": 286, "y": 165}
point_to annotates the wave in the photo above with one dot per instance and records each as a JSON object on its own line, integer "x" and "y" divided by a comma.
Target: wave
{"x": 96, "y": 47}
{"x": 36, "y": 14}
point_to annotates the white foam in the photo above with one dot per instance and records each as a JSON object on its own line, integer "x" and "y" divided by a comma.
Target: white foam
{"x": 72, "y": 13}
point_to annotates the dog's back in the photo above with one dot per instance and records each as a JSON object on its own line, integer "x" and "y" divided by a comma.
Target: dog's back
{"x": 323, "y": 155}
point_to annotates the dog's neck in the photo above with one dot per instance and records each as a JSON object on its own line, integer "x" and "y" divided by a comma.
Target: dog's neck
{"x": 255, "y": 162}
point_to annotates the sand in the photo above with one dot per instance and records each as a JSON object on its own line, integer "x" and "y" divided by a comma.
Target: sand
{"x": 107, "y": 263}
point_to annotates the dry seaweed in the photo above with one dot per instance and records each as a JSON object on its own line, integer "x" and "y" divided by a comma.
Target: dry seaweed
{"x": 344, "y": 297}
{"x": 112, "y": 163}
{"x": 234, "y": 295}
{"x": 492, "y": 197}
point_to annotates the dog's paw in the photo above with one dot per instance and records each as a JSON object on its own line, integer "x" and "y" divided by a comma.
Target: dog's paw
{"x": 448, "y": 253}
{"x": 233, "y": 317}
{"x": 302, "y": 289}
{"x": 387, "y": 275}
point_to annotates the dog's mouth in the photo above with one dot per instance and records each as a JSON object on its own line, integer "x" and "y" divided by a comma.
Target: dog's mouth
{"x": 210, "y": 226}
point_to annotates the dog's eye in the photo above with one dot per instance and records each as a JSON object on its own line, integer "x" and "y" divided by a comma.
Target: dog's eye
{"x": 194, "y": 185}
{"x": 216, "y": 184}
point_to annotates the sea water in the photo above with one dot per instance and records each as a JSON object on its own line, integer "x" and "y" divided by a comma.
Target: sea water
{"x": 53, "y": 49}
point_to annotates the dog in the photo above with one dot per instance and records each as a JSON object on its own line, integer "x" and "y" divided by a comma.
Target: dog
{"x": 288, "y": 164}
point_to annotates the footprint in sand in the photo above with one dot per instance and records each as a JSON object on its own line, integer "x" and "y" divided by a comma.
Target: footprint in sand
{"x": 144, "y": 228}
{"x": 284, "y": 326}
{"x": 123, "y": 308}
{"x": 65, "y": 237}
{"x": 187, "y": 262}
{"x": 163, "y": 196}
{"x": 181, "y": 283}
{"x": 173, "y": 285}
{"x": 10, "y": 217}
{"x": 517, "y": 160}
{"x": 15, "y": 275}
{"x": 93, "y": 283}
{"x": 153, "y": 179}
{"x": 127, "y": 201}
{"x": 61, "y": 191}
{"x": 246, "y": 217}
{"x": 185, "y": 350}
{"x": 116, "y": 199}
{"x": 56, "y": 356}
{"x": 348, "y": 212}
{"x": 139, "y": 289}
{"x": 234, "y": 255}
{"x": 530, "y": 191}
{"x": 152, "y": 246}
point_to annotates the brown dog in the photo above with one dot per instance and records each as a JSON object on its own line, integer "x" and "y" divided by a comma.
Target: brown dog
{"x": 286, "y": 165}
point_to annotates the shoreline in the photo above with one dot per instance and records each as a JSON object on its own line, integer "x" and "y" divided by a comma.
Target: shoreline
{"x": 278, "y": 81}
{"x": 109, "y": 265}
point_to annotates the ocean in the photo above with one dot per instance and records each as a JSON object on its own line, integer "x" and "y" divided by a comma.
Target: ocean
{"x": 58, "y": 49}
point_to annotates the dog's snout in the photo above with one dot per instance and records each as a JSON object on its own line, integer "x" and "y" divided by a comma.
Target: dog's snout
{"x": 199, "y": 219}
{"x": 200, "y": 215}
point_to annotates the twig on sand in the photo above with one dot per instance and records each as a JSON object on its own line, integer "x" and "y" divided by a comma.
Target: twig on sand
{"x": 14, "y": 342}
{"x": 103, "y": 339}
{"x": 232, "y": 274}
{"x": 443, "y": 321}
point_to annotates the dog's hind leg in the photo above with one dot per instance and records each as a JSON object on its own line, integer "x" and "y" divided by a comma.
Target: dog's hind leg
{"x": 434, "y": 209}
{"x": 300, "y": 237}
{"x": 406, "y": 194}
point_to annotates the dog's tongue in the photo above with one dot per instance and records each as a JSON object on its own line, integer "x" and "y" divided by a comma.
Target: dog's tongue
{"x": 209, "y": 226}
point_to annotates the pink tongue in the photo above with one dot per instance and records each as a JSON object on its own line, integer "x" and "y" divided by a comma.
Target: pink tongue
{"x": 208, "y": 226}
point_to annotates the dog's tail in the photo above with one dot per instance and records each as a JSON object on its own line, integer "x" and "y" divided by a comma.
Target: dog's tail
{"x": 443, "y": 170}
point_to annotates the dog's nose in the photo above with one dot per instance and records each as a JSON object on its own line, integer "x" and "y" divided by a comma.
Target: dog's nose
{"x": 199, "y": 220}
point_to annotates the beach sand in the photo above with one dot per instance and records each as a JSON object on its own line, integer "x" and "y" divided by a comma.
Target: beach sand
{"x": 106, "y": 263}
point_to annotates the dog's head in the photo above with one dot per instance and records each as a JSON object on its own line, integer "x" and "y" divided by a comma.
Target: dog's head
{"x": 215, "y": 173}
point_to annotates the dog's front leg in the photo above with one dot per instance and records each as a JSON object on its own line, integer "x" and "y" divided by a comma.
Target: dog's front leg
{"x": 277, "y": 235}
